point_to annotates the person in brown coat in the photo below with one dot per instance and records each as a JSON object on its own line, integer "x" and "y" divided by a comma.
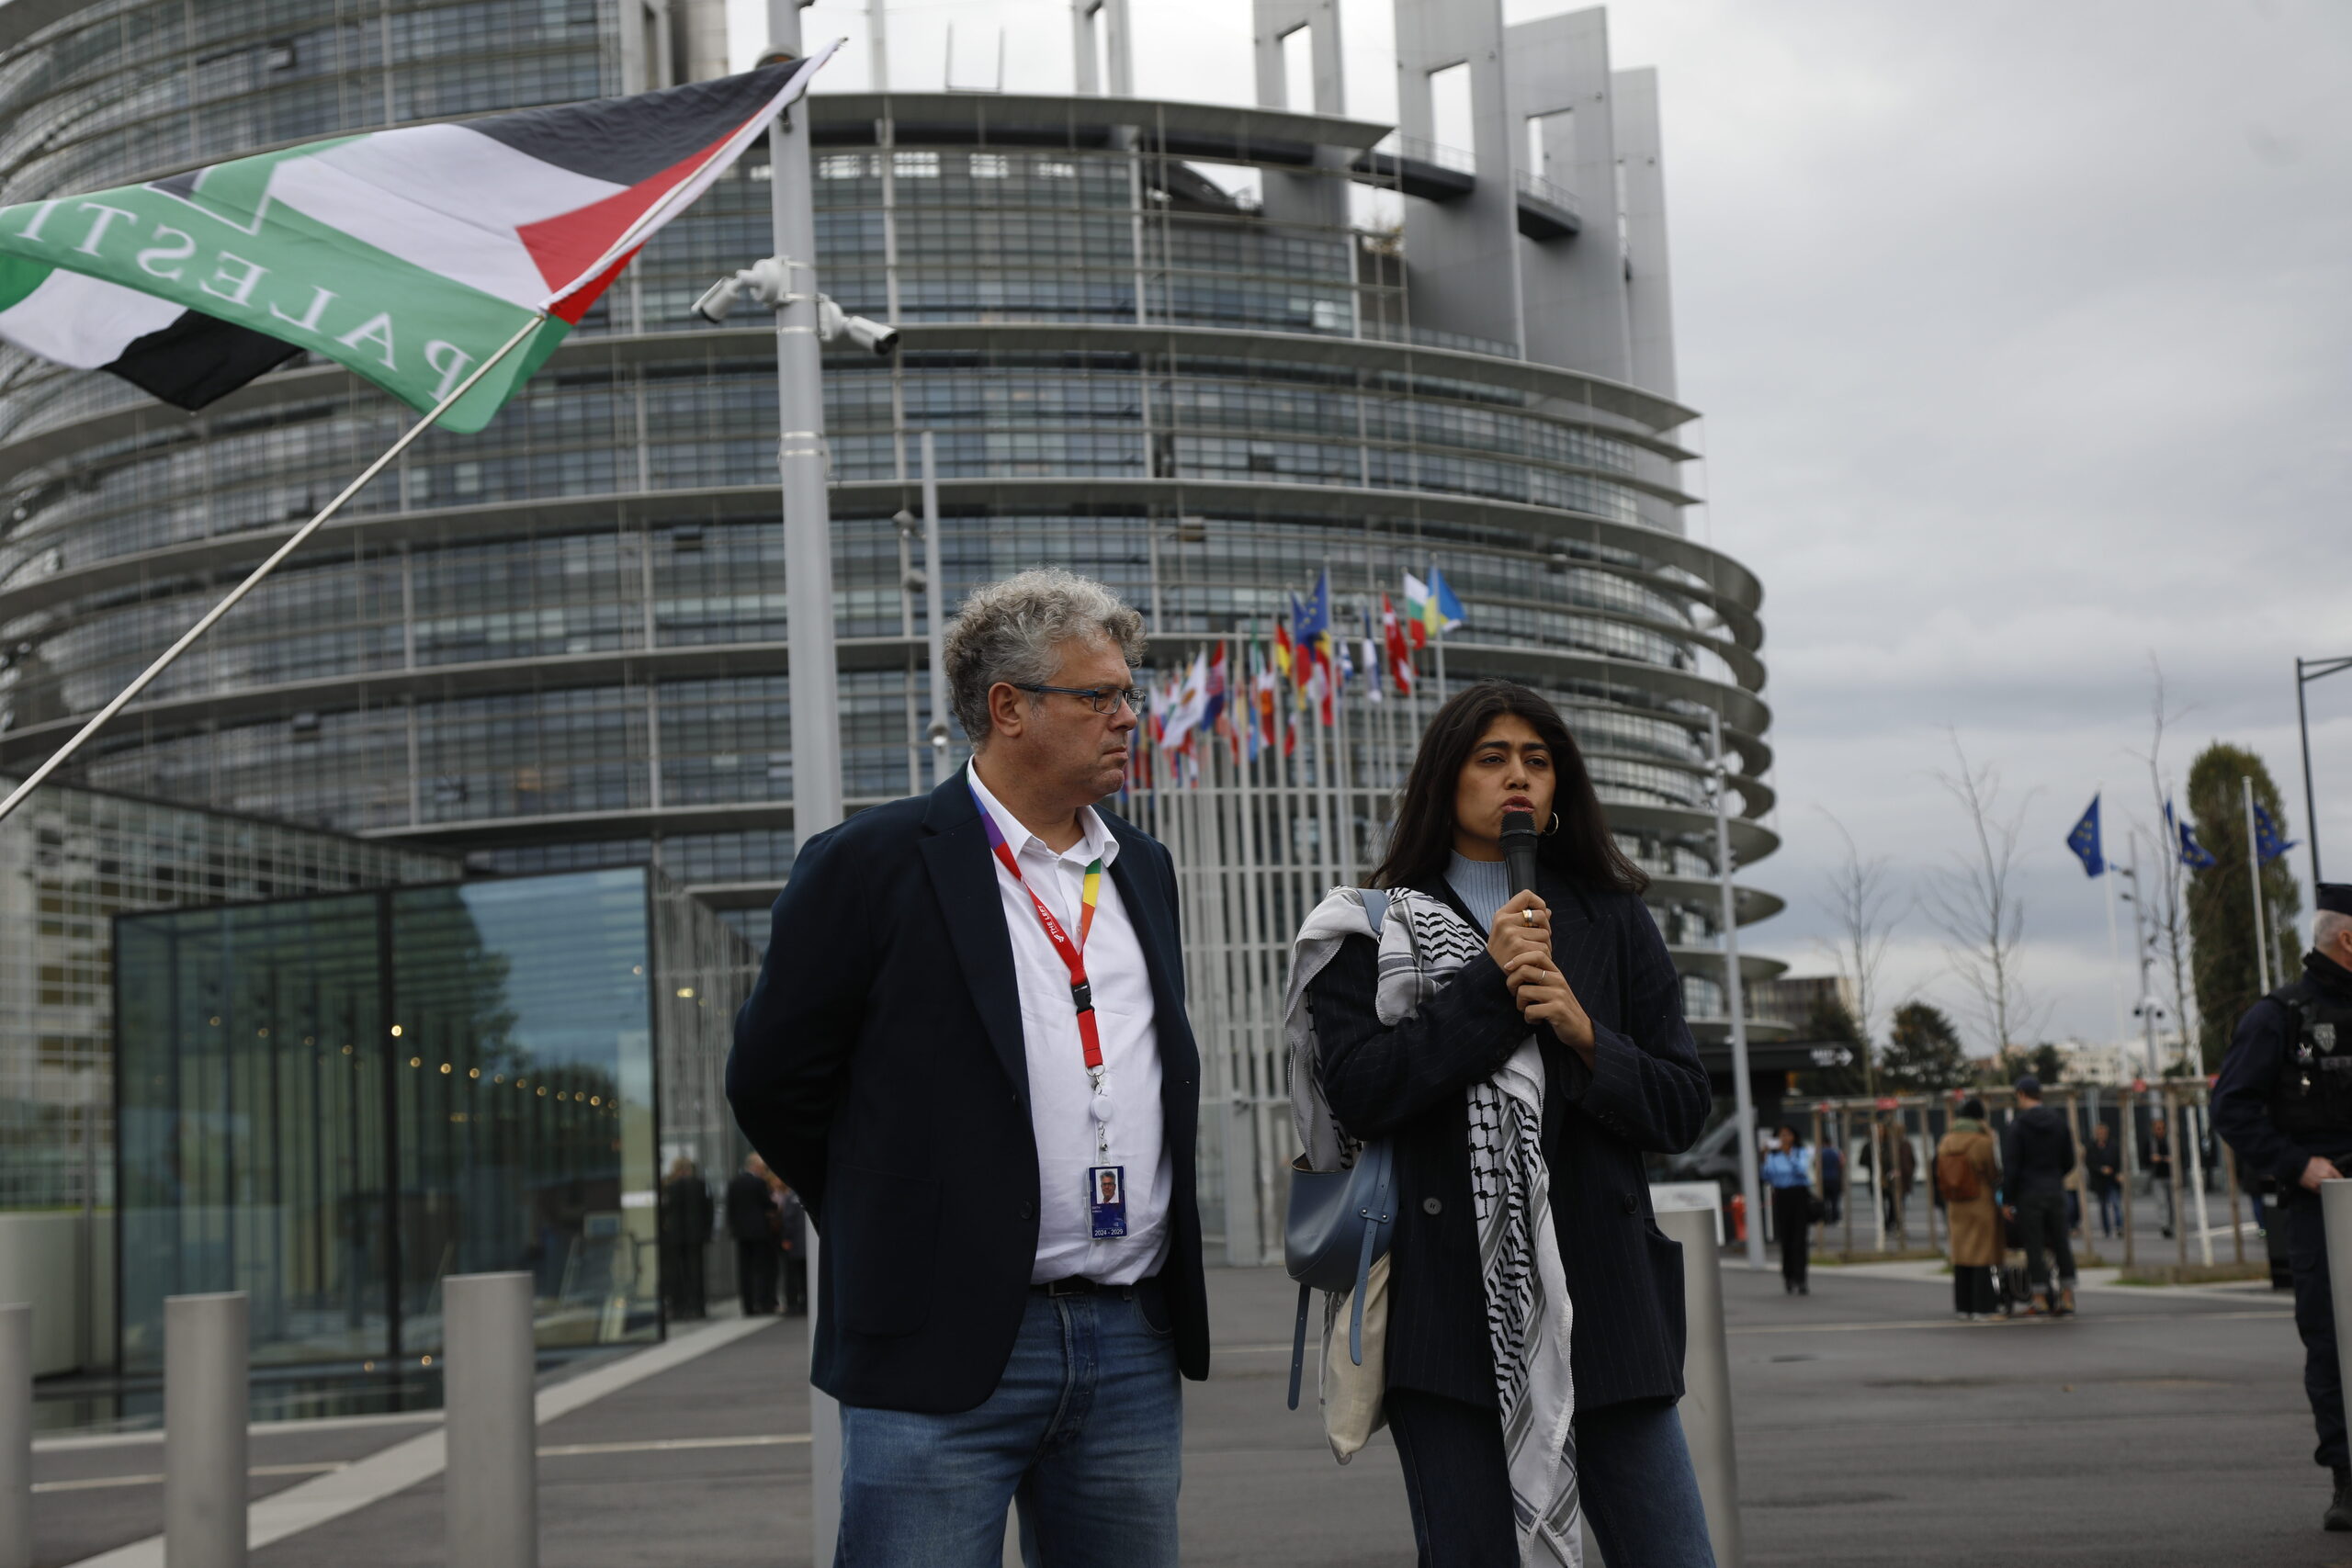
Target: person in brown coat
{"x": 1967, "y": 1175}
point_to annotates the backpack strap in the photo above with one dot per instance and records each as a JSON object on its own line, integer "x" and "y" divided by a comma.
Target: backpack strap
{"x": 1380, "y": 1212}
{"x": 1375, "y": 908}
{"x": 1299, "y": 1345}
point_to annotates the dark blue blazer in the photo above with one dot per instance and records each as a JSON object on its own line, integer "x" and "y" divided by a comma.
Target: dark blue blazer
{"x": 1644, "y": 1090}
{"x": 878, "y": 1067}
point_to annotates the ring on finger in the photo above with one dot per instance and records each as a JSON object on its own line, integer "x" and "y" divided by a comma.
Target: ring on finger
{"x": 1527, "y": 916}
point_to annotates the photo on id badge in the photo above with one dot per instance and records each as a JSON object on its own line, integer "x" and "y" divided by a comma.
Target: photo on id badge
{"x": 1106, "y": 1191}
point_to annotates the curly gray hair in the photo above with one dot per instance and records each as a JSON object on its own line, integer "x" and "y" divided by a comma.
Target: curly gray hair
{"x": 1013, "y": 631}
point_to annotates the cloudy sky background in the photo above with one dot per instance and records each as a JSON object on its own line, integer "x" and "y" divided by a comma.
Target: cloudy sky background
{"x": 2023, "y": 336}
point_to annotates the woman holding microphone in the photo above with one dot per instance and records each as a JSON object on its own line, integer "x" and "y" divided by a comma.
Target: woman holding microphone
{"x": 1521, "y": 1052}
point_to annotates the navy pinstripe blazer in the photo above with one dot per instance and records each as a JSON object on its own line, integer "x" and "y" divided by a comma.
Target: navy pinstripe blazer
{"x": 1646, "y": 1090}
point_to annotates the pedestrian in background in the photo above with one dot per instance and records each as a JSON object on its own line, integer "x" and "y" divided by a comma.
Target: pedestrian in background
{"x": 685, "y": 1217}
{"x": 2035, "y": 1157}
{"x": 792, "y": 1242}
{"x": 1966, "y": 1175}
{"x": 751, "y": 1222}
{"x": 2159, "y": 1168}
{"x": 1901, "y": 1169}
{"x": 1787, "y": 1171}
{"x": 968, "y": 1052}
{"x": 1833, "y": 1182}
{"x": 2104, "y": 1161}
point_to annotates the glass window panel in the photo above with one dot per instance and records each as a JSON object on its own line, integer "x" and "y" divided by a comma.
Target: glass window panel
{"x": 525, "y": 1098}
{"x": 333, "y": 1104}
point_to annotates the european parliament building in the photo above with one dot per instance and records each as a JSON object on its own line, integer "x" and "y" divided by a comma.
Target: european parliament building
{"x": 1199, "y": 352}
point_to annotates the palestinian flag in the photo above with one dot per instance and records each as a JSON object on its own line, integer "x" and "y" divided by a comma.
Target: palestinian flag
{"x": 409, "y": 256}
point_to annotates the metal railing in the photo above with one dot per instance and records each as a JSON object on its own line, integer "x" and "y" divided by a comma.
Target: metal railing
{"x": 1541, "y": 190}
{"x": 1420, "y": 150}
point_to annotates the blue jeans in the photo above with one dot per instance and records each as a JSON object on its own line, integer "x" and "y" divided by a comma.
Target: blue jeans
{"x": 2111, "y": 1210}
{"x": 1085, "y": 1430}
{"x": 1640, "y": 1493}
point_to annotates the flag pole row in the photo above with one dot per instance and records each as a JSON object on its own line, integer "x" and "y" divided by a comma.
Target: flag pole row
{"x": 1270, "y": 787}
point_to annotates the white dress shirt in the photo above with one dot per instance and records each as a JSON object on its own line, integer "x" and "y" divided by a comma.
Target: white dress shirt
{"x": 1062, "y": 1098}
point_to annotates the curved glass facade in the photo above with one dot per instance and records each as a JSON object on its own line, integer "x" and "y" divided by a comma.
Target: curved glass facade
{"x": 560, "y": 643}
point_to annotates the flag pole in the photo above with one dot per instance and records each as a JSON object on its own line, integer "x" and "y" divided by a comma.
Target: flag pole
{"x": 293, "y": 542}
{"x": 2254, "y": 877}
{"x": 2114, "y": 946}
{"x": 1437, "y": 634}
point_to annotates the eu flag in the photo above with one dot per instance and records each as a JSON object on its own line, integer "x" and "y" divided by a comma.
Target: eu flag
{"x": 2084, "y": 842}
{"x": 2194, "y": 855}
{"x": 1312, "y": 620}
{"x": 2267, "y": 845}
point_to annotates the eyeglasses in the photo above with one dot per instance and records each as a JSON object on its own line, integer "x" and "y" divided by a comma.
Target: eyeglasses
{"x": 1101, "y": 699}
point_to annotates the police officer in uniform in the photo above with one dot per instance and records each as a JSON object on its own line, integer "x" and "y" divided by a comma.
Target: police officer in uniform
{"x": 2284, "y": 1101}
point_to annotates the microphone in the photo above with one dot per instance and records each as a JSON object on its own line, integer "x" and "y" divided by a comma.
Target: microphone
{"x": 1519, "y": 850}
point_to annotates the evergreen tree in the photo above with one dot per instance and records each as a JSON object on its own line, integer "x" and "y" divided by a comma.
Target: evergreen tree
{"x": 1922, "y": 1054}
{"x": 2221, "y": 903}
{"x": 1828, "y": 1024}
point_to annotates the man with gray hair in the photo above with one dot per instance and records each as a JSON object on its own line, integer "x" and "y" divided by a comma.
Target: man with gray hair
{"x": 968, "y": 1051}
{"x": 2284, "y": 1101}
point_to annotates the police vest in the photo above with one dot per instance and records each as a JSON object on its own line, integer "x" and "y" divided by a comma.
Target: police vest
{"x": 2312, "y": 1096}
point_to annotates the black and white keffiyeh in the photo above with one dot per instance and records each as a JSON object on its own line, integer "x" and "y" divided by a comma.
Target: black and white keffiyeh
{"x": 1422, "y": 943}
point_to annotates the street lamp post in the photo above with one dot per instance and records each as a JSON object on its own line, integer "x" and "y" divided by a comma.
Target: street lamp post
{"x": 800, "y": 457}
{"x": 2306, "y": 672}
{"x": 1743, "y": 1095}
{"x": 809, "y": 608}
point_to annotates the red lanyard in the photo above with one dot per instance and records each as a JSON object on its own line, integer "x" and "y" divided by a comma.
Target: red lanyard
{"x": 1073, "y": 956}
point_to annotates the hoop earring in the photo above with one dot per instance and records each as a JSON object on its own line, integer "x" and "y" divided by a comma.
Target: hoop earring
{"x": 1554, "y": 827}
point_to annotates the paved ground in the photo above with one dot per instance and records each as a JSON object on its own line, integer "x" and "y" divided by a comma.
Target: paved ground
{"x": 2157, "y": 1428}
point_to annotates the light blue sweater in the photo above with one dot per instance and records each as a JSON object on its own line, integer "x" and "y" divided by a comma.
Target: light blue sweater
{"x": 1482, "y": 885}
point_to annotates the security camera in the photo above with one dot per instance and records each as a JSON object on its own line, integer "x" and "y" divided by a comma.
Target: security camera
{"x": 872, "y": 336}
{"x": 719, "y": 299}
{"x": 833, "y": 323}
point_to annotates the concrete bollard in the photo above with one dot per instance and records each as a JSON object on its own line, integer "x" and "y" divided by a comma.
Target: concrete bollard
{"x": 16, "y": 1437}
{"x": 1706, "y": 1379}
{"x": 205, "y": 1411}
{"x": 490, "y": 1421}
{"x": 2335, "y": 1216}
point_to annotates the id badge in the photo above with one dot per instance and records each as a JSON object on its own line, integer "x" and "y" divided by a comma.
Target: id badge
{"x": 1106, "y": 1194}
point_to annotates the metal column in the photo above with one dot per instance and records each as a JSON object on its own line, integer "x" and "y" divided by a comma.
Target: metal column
{"x": 492, "y": 1492}
{"x": 205, "y": 1367}
{"x": 16, "y": 1436}
{"x": 1706, "y": 1378}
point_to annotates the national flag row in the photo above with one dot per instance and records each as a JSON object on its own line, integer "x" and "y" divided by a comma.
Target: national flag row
{"x": 1310, "y": 654}
{"x": 2084, "y": 838}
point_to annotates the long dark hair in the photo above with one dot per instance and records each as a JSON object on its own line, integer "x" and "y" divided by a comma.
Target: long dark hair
{"x": 1581, "y": 851}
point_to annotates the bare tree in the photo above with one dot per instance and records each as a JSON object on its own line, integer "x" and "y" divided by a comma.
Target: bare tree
{"x": 2167, "y": 903}
{"x": 1976, "y": 903}
{"x": 1862, "y": 904}
{"x": 1863, "y": 907}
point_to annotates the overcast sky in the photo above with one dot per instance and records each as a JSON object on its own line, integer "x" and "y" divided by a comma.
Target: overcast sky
{"x": 2023, "y": 340}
